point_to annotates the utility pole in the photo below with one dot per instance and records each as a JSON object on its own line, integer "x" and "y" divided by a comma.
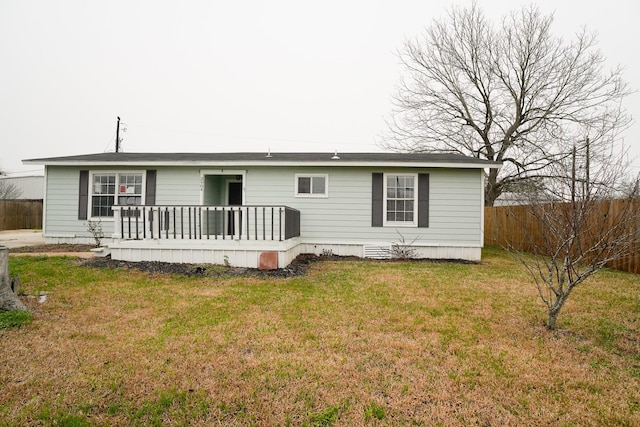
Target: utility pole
{"x": 573, "y": 176}
{"x": 587, "y": 166}
{"x": 118, "y": 136}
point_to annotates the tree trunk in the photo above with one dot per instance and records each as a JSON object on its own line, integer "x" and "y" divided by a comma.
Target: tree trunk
{"x": 553, "y": 317}
{"x": 8, "y": 299}
{"x": 492, "y": 188}
{"x": 554, "y": 310}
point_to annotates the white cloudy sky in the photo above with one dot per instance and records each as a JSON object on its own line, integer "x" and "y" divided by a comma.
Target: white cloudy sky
{"x": 231, "y": 76}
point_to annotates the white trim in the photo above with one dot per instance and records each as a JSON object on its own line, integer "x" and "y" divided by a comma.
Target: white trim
{"x": 417, "y": 243}
{"x": 118, "y": 172}
{"x": 241, "y": 254}
{"x": 226, "y": 172}
{"x": 412, "y": 224}
{"x": 311, "y": 175}
{"x": 236, "y": 163}
{"x": 44, "y": 202}
{"x": 482, "y": 178}
{"x": 204, "y": 172}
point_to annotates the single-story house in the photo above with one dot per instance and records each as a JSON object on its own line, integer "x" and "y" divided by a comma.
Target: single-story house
{"x": 264, "y": 209}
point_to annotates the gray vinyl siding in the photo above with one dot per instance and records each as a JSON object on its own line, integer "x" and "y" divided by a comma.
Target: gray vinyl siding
{"x": 61, "y": 204}
{"x": 455, "y": 202}
{"x": 455, "y": 205}
{"x": 179, "y": 186}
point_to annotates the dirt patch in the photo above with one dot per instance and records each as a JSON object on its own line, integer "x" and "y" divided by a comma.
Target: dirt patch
{"x": 63, "y": 247}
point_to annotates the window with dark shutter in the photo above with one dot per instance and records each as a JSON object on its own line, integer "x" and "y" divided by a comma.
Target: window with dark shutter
{"x": 83, "y": 199}
{"x": 423, "y": 200}
{"x": 150, "y": 188}
{"x": 377, "y": 199}
{"x": 101, "y": 190}
{"x": 398, "y": 200}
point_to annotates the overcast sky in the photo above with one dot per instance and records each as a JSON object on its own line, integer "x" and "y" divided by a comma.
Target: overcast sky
{"x": 232, "y": 76}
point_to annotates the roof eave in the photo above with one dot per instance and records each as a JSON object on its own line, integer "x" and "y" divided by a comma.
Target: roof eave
{"x": 233, "y": 163}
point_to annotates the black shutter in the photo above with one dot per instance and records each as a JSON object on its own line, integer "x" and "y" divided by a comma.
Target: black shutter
{"x": 150, "y": 188}
{"x": 423, "y": 200}
{"x": 83, "y": 199}
{"x": 377, "y": 199}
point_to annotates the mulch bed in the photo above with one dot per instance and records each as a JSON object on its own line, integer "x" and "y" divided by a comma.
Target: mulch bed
{"x": 298, "y": 267}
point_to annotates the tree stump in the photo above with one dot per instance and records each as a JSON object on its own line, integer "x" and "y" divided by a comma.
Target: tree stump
{"x": 8, "y": 298}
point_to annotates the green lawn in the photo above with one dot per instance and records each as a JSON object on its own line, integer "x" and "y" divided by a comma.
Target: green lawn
{"x": 350, "y": 343}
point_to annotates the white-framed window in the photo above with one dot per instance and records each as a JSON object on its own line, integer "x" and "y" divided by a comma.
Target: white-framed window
{"x": 312, "y": 185}
{"x": 108, "y": 188}
{"x": 400, "y": 199}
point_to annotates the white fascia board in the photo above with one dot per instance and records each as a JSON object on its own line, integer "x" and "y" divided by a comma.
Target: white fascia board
{"x": 225, "y": 164}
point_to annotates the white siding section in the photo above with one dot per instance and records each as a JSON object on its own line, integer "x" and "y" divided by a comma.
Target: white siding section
{"x": 235, "y": 253}
{"x": 30, "y": 187}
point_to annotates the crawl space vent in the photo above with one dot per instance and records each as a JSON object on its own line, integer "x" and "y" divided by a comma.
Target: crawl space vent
{"x": 377, "y": 251}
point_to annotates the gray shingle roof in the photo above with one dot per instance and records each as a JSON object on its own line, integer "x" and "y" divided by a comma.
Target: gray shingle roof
{"x": 262, "y": 158}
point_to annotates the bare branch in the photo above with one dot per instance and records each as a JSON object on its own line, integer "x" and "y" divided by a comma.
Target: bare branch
{"x": 578, "y": 223}
{"x": 513, "y": 93}
{"x": 9, "y": 190}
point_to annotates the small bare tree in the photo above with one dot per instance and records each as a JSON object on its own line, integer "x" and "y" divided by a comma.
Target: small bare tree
{"x": 590, "y": 217}
{"x": 95, "y": 228}
{"x": 402, "y": 249}
{"x": 8, "y": 190}
{"x": 513, "y": 93}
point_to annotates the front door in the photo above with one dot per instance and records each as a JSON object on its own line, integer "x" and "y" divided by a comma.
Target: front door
{"x": 235, "y": 193}
{"x": 235, "y": 199}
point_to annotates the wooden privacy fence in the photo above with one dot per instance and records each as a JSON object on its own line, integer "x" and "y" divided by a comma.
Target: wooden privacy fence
{"x": 516, "y": 227}
{"x": 20, "y": 214}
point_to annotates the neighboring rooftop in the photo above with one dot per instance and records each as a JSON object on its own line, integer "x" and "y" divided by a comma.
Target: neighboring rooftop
{"x": 263, "y": 158}
{"x": 28, "y": 187}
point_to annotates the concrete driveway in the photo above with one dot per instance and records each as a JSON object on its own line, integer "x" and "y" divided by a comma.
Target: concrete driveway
{"x": 18, "y": 238}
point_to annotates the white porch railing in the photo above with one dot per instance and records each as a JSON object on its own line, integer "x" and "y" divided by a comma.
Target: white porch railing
{"x": 272, "y": 223}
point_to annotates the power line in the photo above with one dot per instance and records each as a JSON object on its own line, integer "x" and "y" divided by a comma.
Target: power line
{"x": 246, "y": 137}
{"x": 108, "y": 144}
{"x": 7, "y": 173}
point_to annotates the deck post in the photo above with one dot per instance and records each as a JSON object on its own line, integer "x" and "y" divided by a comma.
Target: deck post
{"x": 246, "y": 222}
{"x": 236, "y": 224}
{"x": 117, "y": 230}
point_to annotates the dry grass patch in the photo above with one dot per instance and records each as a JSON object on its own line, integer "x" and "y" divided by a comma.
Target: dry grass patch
{"x": 350, "y": 343}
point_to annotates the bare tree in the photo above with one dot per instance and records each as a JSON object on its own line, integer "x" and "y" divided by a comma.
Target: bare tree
{"x": 8, "y": 190}
{"x": 513, "y": 93}
{"x": 582, "y": 225}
